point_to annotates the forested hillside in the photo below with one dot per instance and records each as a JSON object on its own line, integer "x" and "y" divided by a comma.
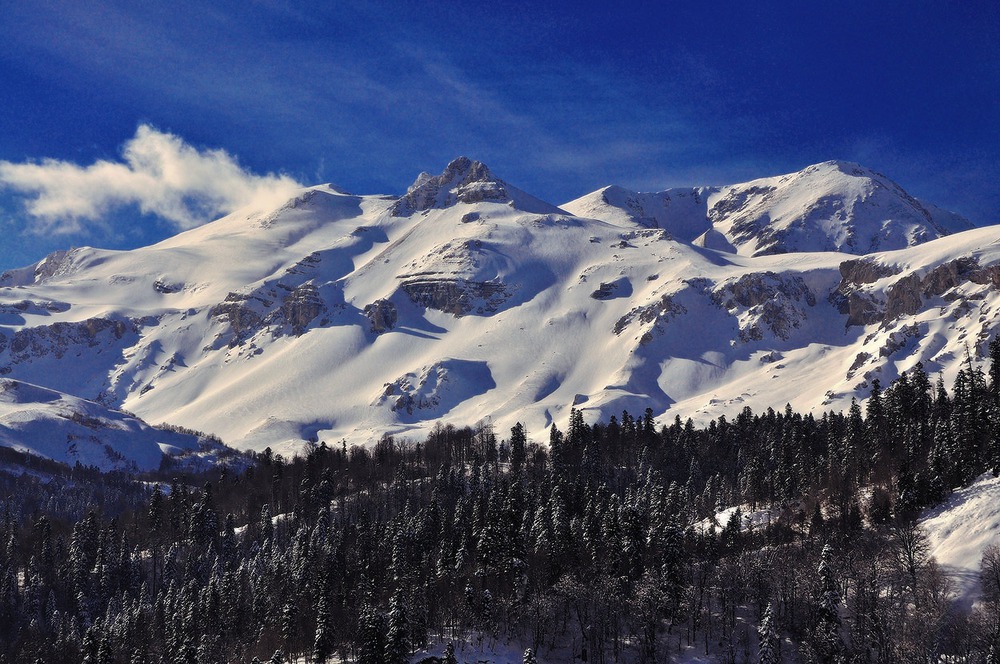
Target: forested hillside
{"x": 603, "y": 542}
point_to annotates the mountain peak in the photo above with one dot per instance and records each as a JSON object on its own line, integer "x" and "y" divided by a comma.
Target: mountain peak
{"x": 464, "y": 180}
{"x": 834, "y": 205}
{"x": 841, "y": 166}
{"x": 470, "y": 170}
{"x": 460, "y": 171}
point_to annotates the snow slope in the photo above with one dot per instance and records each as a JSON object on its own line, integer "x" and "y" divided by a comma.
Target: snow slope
{"x": 70, "y": 430}
{"x": 342, "y": 316}
{"x": 960, "y": 529}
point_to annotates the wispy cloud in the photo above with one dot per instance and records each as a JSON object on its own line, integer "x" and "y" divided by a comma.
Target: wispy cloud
{"x": 159, "y": 173}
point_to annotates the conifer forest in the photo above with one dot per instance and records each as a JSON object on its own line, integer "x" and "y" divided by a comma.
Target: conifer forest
{"x": 599, "y": 542}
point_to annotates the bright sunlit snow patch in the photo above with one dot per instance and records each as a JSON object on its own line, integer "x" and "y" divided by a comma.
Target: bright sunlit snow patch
{"x": 960, "y": 529}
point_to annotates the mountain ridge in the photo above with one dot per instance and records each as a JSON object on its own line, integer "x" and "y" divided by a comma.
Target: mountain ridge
{"x": 830, "y": 206}
{"x": 341, "y": 316}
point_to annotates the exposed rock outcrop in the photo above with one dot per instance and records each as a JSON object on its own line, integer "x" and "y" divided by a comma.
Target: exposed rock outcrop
{"x": 166, "y": 287}
{"x": 851, "y": 299}
{"x": 861, "y": 308}
{"x": 903, "y": 298}
{"x": 953, "y": 273}
{"x": 33, "y": 307}
{"x": 243, "y": 318}
{"x": 751, "y": 290}
{"x": 382, "y": 315}
{"x": 301, "y": 306}
{"x": 612, "y": 289}
{"x": 659, "y": 313}
{"x": 860, "y": 271}
{"x": 765, "y": 302}
{"x": 59, "y": 338}
{"x": 457, "y": 296}
{"x": 906, "y": 296}
{"x": 56, "y": 263}
{"x": 288, "y": 312}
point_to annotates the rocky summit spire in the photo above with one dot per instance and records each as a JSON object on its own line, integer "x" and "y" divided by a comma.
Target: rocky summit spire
{"x": 463, "y": 181}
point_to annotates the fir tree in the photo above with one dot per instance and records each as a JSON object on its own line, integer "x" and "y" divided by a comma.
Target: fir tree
{"x": 371, "y": 636}
{"x": 323, "y": 641}
{"x": 827, "y": 641}
{"x": 397, "y": 640}
{"x": 518, "y": 448}
{"x": 769, "y": 645}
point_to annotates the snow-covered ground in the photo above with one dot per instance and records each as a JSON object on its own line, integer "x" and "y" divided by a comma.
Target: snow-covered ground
{"x": 960, "y": 529}
{"x": 488, "y": 651}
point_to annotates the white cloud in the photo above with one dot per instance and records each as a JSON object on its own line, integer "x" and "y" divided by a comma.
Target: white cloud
{"x": 159, "y": 172}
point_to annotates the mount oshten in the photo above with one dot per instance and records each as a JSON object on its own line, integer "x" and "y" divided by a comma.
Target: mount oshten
{"x": 338, "y": 316}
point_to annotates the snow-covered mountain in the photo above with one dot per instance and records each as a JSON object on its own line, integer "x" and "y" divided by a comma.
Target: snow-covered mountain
{"x": 833, "y": 206}
{"x": 341, "y": 316}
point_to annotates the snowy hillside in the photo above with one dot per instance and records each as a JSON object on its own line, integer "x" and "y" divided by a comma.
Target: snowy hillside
{"x": 338, "y": 315}
{"x": 959, "y": 530}
{"x": 70, "y": 430}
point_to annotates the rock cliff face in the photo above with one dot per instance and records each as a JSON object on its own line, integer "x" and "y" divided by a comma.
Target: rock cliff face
{"x": 301, "y": 306}
{"x": 60, "y": 339}
{"x": 908, "y": 294}
{"x": 859, "y": 305}
{"x": 863, "y": 271}
{"x": 280, "y": 310}
{"x": 457, "y": 296}
{"x": 243, "y": 318}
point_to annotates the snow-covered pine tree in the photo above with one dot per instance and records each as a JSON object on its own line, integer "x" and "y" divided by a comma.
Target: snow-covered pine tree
{"x": 397, "y": 646}
{"x": 826, "y": 637}
{"x": 770, "y": 652}
{"x": 323, "y": 641}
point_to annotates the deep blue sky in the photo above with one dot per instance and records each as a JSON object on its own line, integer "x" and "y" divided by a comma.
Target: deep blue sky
{"x": 558, "y": 98}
